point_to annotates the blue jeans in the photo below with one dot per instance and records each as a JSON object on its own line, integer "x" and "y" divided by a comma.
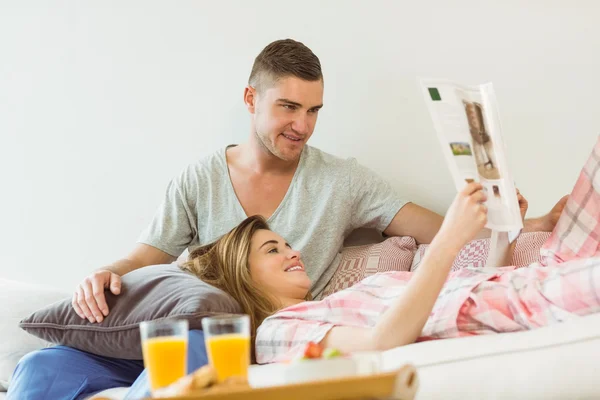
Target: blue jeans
{"x": 61, "y": 372}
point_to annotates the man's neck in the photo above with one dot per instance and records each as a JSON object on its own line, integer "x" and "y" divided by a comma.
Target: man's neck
{"x": 254, "y": 156}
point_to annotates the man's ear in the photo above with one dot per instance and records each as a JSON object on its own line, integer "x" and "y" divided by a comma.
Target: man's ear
{"x": 250, "y": 99}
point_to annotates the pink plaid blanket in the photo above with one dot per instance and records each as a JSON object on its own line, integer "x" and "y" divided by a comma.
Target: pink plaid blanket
{"x": 577, "y": 233}
{"x": 284, "y": 334}
{"x": 473, "y": 301}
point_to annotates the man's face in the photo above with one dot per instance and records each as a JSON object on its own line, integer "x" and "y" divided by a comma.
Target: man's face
{"x": 286, "y": 115}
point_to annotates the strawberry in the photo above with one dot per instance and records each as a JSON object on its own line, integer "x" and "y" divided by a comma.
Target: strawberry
{"x": 313, "y": 350}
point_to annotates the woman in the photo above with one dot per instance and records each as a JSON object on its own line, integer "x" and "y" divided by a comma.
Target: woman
{"x": 267, "y": 277}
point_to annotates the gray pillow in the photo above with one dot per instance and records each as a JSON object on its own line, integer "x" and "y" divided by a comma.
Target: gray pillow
{"x": 150, "y": 293}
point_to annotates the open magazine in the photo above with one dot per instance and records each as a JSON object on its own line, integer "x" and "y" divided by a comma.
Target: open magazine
{"x": 467, "y": 122}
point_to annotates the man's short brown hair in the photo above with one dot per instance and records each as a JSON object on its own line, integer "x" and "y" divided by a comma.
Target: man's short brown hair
{"x": 282, "y": 59}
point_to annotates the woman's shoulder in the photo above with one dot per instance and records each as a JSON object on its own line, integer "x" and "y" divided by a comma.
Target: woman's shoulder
{"x": 295, "y": 308}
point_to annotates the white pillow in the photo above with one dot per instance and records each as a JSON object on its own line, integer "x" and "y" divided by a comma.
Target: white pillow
{"x": 17, "y": 301}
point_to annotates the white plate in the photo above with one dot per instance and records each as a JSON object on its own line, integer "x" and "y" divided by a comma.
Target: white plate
{"x": 310, "y": 370}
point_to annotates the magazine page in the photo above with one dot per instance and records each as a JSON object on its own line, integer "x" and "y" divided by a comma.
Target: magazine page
{"x": 467, "y": 122}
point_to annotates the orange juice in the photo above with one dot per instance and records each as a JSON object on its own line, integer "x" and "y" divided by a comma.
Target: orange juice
{"x": 165, "y": 358}
{"x": 229, "y": 355}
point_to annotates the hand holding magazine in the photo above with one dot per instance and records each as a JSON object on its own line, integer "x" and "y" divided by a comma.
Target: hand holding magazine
{"x": 467, "y": 122}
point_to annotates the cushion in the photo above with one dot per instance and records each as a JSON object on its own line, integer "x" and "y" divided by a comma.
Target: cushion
{"x": 358, "y": 262}
{"x": 474, "y": 254}
{"x": 150, "y": 293}
{"x": 18, "y": 300}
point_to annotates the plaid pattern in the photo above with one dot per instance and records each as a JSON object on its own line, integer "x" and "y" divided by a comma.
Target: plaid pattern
{"x": 577, "y": 233}
{"x": 474, "y": 254}
{"x": 283, "y": 335}
{"x": 473, "y": 301}
{"x": 359, "y": 262}
{"x": 533, "y": 297}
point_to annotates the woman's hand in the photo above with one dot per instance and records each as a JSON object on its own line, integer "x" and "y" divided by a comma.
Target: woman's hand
{"x": 466, "y": 216}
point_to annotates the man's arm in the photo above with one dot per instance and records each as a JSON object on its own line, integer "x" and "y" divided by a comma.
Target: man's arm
{"x": 142, "y": 255}
{"x": 420, "y": 223}
{"x": 423, "y": 224}
{"x": 89, "y": 300}
{"x": 416, "y": 221}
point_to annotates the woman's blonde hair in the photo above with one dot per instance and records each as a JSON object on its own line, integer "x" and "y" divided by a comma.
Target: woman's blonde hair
{"x": 224, "y": 264}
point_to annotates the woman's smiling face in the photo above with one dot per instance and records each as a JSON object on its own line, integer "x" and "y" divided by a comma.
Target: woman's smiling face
{"x": 276, "y": 267}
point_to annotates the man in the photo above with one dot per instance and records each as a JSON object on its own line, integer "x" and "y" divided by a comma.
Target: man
{"x": 304, "y": 193}
{"x": 302, "y": 197}
{"x": 309, "y": 197}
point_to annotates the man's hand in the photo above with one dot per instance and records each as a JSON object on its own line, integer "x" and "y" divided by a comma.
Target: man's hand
{"x": 523, "y": 204}
{"x": 89, "y": 300}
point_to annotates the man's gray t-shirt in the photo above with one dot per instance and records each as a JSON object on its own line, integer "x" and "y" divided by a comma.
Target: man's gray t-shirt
{"x": 328, "y": 198}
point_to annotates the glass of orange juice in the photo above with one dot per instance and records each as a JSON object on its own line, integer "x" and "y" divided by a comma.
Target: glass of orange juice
{"x": 164, "y": 347}
{"x": 227, "y": 341}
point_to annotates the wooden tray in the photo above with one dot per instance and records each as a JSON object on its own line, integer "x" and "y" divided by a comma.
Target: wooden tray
{"x": 381, "y": 385}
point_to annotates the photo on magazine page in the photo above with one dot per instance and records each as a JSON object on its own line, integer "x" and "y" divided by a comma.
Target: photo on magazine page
{"x": 497, "y": 203}
{"x": 483, "y": 146}
{"x": 464, "y": 161}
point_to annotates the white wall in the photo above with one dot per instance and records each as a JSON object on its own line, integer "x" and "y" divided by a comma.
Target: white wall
{"x": 101, "y": 103}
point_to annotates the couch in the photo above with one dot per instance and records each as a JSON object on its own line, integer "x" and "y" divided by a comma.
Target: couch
{"x": 556, "y": 362}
